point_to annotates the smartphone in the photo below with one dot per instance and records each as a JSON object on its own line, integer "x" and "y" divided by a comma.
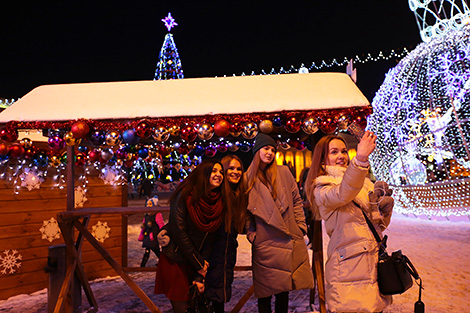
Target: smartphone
{"x": 356, "y": 130}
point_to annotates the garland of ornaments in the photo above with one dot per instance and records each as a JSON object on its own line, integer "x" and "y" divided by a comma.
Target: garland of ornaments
{"x": 121, "y": 139}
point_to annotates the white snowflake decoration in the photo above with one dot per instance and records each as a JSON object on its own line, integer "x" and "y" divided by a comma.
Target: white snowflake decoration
{"x": 31, "y": 179}
{"x": 80, "y": 197}
{"x": 9, "y": 261}
{"x": 50, "y": 230}
{"x": 111, "y": 175}
{"x": 100, "y": 231}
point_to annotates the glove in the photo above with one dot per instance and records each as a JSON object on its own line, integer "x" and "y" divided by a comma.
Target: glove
{"x": 381, "y": 197}
{"x": 386, "y": 205}
{"x": 163, "y": 238}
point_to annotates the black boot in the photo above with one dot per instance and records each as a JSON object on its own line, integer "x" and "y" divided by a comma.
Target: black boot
{"x": 145, "y": 258}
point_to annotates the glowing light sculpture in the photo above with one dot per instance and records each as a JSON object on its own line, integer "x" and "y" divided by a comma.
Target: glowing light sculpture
{"x": 439, "y": 18}
{"x": 422, "y": 120}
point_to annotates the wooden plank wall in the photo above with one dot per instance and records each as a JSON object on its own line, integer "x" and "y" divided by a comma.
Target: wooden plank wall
{"x": 22, "y": 215}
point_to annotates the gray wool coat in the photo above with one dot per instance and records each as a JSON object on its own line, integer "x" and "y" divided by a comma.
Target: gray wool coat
{"x": 276, "y": 230}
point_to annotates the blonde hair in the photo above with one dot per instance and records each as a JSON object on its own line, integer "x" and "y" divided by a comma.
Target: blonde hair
{"x": 318, "y": 168}
{"x": 267, "y": 176}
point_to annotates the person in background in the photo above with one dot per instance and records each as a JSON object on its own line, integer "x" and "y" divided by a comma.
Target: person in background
{"x": 146, "y": 189}
{"x": 276, "y": 228}
{"x": 338, "y": 190}
{"x": 196, "y": 212}
{"x": 151, "y": 225}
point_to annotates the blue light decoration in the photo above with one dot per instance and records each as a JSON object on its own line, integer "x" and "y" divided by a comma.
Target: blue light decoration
{"x": 169, "y": 63}
{"x": 422, "y": 121}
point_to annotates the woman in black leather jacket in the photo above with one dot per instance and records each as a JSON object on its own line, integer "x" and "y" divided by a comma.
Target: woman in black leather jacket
{"x": 196, "y": 212}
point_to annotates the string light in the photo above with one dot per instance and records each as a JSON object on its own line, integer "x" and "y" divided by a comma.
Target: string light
{"x": 334, "y": 62}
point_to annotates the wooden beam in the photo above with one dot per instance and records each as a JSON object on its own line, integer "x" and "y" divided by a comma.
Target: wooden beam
{"x": 243, "y": 300}
{"x": 115, "y": 265}
{"x": 317, "y": 246}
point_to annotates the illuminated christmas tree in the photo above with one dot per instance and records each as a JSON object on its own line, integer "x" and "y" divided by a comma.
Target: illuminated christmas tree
{"x": 169, "y": 63}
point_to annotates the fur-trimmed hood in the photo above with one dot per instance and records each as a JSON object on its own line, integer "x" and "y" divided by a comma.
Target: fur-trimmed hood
{"x": 335, "y": 176}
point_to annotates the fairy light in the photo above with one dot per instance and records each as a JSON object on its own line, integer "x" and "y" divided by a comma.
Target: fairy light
{"x": 422, "y": 120}
{"x": 334, "y": 62}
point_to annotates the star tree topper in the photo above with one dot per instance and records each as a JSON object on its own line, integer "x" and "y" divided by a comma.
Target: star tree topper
{"x": 169, "y": 22}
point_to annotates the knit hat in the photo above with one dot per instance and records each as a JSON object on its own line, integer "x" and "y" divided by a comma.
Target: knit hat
{"x": 263, "y": 140}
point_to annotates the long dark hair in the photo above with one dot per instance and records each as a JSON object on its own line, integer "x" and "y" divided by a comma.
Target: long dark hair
{"x": 236, "y": 199}
{"x": 197, "y": 182}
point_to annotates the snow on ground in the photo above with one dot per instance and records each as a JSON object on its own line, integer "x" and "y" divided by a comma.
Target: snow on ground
{"x": 440, "y": 250}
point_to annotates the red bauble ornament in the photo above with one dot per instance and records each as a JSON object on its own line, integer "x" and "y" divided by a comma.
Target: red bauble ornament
{"x": 30, "y": 152}
{"x": 222, "y": 128}
{"x": 80, "y": 130}
{"x": 94, "y": 155}
{"x": 80, "y": 159}
{"x": 3, "y": 149}
{"x": 16, "y": 150}
{"x": 328, "y": 125}
{"x": 144, "y": 129}
{"x": 188, "y": 133}
{"x": 183, "y": 149}
{"x": 293, "y": 125}
{"x": 360, "y": 119}
{"x": 9, "y": 135}
{"x": 129, "y": 163}
{"x": 236, "y": 129}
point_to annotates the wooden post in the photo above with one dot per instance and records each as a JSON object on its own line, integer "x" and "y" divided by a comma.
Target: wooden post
{"x": 71, "y": 305}
{"x": 70, "y": 178}
{"x": 317, "y": 247}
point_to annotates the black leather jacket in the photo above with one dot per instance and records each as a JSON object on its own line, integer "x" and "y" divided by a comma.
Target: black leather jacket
{"x": 192, "y": 244}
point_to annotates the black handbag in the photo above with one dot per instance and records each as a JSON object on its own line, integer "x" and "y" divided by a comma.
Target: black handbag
{"x": 198, "y": 303}
{"x": 395, "y": 272}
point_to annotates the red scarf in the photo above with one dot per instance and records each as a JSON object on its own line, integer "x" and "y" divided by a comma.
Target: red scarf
{"x": 207, "y": 213}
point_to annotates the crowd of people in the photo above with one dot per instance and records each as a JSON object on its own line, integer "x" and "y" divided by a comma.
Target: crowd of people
{"x": 219, "y": 200}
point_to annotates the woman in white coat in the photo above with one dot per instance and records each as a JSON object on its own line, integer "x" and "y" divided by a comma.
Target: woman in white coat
{"x": 276, "y": 228}
{"x": 338, "y": 191}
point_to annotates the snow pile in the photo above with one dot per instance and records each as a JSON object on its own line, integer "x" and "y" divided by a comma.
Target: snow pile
{"x": 440, "y": 251}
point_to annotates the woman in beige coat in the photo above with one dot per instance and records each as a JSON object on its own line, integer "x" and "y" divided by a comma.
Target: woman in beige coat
{"x": 276, "y": 229}
{"x": 338, "y": 191}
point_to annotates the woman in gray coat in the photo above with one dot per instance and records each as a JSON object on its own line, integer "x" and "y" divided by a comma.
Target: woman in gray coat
{"x": 338, "y": 190}
{"x": 276, "y": 229}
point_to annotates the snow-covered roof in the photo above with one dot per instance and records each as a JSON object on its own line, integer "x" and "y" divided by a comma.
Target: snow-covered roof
{"x": 187, "y": 97}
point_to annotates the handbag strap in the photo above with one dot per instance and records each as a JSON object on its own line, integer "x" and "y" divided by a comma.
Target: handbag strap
{"x": 382, "y": 242}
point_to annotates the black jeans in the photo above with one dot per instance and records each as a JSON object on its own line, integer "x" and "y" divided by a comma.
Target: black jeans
{"x": 281, "y": 303}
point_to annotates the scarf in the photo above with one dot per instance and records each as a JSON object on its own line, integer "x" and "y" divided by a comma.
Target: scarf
{"x": 335, "y": 176}
{"x": 207, "y": 213}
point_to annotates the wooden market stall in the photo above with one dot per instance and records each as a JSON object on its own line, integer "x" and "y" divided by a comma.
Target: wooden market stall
{"x": 301, "y": 103}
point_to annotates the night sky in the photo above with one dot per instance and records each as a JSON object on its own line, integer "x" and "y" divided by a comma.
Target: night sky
{"x": 55, "y": 42}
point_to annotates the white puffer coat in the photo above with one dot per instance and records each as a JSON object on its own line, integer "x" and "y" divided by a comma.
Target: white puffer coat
{"x": 351, "y": 267}
{"x": 279, "y": 254}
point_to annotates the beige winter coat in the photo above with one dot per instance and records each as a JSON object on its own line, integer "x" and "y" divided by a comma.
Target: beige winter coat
{"x": 279, "y": 254}
{"x": 351, "y": 267}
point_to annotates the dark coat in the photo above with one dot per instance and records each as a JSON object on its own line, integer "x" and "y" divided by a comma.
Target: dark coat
{"x": 219, "y": 277}
{"x": 191, "y": 245}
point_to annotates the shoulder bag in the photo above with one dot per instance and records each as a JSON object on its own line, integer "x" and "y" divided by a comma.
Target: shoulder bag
{"x": 395, "y": 272}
